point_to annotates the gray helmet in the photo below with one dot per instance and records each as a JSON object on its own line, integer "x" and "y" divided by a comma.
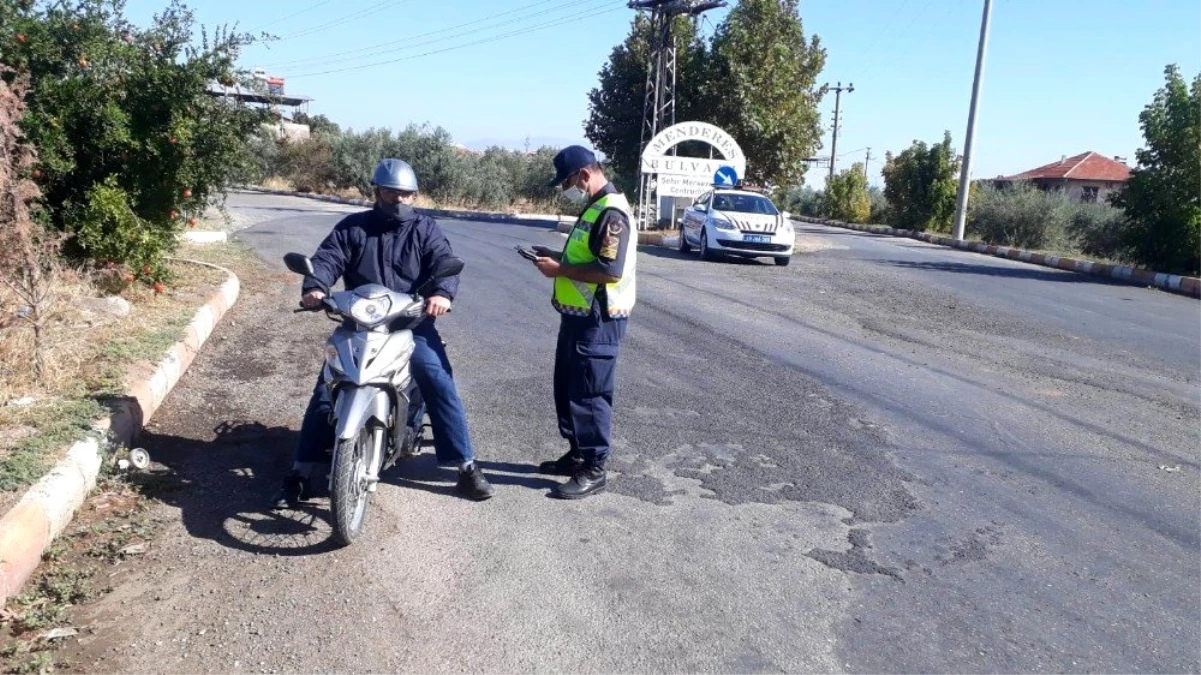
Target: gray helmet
{"x": 395, "y": 174}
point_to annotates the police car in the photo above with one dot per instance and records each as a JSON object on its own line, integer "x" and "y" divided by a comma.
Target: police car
{"x": 737, "y": 222}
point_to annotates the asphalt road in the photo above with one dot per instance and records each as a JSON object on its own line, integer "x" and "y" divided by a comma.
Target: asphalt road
{"x": 886, "y": 457}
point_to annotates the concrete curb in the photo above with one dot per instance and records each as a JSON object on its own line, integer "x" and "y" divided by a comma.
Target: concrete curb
{"x": 544, "y": 219}
{"x": 46, "y": 509}
{"x": 1173, "y": 283}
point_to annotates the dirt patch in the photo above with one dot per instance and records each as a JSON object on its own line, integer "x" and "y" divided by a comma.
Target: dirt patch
{"x": 811, "y": 244}
{"x": 112, "y": 529}
{"x": 110, "y": 536}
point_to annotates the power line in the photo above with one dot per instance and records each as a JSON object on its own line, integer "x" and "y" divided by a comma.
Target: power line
{"x": 884, "y": 28}
{"x": 530, "y": 29}
{"x": 410, "y": 45}
{"x": 871, "y": 71}
{"x": 891, "y": 63}
{"x": 346, "y": 19}
{"x": 290, "y": 16}
{"x": 389, "y": 43}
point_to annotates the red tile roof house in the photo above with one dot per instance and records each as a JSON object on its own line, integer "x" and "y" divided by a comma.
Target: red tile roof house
{"x": 1087, "y": 177}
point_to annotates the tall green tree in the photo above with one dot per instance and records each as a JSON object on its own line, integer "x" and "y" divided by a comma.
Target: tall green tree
{"x": 761, "y": 75}
{"x": 1162, "y": 200}
{"x": 614, "y": 124}
{"x": 755, "y": 78}
{"x": 920, "y": 185}
{"x": 318, "y": 124}
{"x": 847, "y": 197}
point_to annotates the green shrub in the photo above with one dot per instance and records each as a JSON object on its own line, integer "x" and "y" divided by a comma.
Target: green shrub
{"x": 847, "y": 196}
{"x": 1024, "y": 216}
{"x": 920, "y": 185}
{"x": 129, "y": 142}
{"x": 496, "y": 179}
{"x": 1020, "y": 215}
{"x": 881, "y": 212}
{"x": 1100, "y": 230}
{"x": 803, "y": 200}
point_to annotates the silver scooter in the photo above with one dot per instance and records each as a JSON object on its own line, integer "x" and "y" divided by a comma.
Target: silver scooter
{"x": 370, "y": 387}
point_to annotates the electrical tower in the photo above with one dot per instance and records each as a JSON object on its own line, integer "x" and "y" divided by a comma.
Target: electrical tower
{"x": 659, "y": 106}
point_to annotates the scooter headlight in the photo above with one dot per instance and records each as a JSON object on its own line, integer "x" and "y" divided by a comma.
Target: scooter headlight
{"x": 370, "y": 312}
{"x": 331, "y": 357}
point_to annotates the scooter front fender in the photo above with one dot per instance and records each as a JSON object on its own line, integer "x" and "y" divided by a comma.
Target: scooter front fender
{"x": 355, "y": 406}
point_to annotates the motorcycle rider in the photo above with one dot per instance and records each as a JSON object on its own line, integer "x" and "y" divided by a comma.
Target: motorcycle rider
{"x": 396, "y": 247}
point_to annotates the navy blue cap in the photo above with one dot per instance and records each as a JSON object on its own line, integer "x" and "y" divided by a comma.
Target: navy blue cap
{"x": 570, "y": 160}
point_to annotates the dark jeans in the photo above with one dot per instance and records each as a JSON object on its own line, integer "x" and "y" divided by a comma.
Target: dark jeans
{"x": 432, "y": 372}
{"x": 585, "y": 374}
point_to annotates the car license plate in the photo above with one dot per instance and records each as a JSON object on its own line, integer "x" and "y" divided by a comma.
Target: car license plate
{"x": 756, "y": 239}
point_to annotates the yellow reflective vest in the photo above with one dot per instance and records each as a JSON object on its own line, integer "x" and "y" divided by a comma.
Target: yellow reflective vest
{"x": 576, "y": 297}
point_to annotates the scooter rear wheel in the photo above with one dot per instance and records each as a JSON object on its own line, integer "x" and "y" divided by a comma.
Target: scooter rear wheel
{"x": 348, "y": 497}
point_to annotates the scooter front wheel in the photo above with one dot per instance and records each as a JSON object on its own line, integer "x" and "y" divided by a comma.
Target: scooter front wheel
{"x": 348, "y": 494}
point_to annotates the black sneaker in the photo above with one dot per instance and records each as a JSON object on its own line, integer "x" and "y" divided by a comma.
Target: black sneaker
{"x": 585, "y": 482}
{"x": 293, "y": 492}
{"x": 473, "y": 484}
{"x": 566, "y": 465}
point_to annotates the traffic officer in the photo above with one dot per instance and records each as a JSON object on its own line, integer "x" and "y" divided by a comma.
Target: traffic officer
{"x": 594, "y": 293}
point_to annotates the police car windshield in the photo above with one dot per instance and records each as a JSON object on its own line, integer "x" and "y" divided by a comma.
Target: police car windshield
{"x": 744, "y": 204}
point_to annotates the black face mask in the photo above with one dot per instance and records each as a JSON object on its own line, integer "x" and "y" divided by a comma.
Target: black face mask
{"x": 396, "y": 211}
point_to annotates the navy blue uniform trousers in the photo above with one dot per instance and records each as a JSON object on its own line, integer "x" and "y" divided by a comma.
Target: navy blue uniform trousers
{"x": 585, "y": 374}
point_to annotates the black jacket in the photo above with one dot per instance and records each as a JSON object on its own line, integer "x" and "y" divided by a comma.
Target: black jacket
{"x": 369, "y": 247}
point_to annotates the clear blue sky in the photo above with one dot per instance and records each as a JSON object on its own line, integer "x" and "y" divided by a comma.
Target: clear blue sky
{"x": 1062, "y": 76}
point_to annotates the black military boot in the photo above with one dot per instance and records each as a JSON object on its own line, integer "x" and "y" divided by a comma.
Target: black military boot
{"x": 563, "y": 466}
{"x": 585, "y": 482}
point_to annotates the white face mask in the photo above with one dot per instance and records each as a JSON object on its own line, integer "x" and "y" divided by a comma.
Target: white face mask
{"x": 574, "y": 194}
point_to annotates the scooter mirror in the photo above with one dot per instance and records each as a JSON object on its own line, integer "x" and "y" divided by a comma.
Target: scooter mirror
{"x": 448, "y": 267}
{"x": 298, "y": 263}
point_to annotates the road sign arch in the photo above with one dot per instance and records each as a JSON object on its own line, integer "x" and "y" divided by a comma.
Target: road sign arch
{"x": 666, "y": 178}
{"x": 656, "y": 160}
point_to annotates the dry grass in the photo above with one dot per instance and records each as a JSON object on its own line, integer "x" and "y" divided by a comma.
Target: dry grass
{"x": 85, "y": 346}
{"x": 68, "y": 323}
{"x": 91, "y": 355}
{"x": 277, "y": 183}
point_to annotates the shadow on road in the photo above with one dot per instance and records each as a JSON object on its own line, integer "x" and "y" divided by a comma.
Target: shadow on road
{"x": 423, "y": 473}
{"x": 1004, "y": 272}
{"x": 222, "y": 487}
{"x": 674, "y": 254}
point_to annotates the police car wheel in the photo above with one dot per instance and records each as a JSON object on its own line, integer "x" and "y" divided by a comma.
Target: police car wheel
{"x": 683, "y": 246}
{"x": 706, "y": 252}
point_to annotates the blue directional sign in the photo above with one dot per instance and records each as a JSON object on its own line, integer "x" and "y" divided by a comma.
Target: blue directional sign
{"x": 726, "y": 175}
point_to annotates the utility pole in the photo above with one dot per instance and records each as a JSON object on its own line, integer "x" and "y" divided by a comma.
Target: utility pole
{"x": 837, "y": 105}
{"x": 867, "y": 160}
{"x": 965, "y": 170}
